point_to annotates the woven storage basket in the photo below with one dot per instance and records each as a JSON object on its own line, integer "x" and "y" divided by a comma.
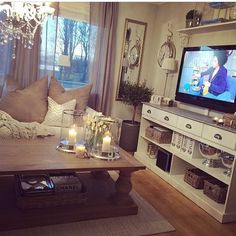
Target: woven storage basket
{"x": 215, "y": 190}
{"x": 195, "y": 178}
{"x": 149, "y": 132}
{"x": 229, "y": 120}
{"x": 162, "y": 135}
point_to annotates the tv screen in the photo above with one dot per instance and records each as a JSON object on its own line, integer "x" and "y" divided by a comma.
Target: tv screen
{"x": 207, "y": 77}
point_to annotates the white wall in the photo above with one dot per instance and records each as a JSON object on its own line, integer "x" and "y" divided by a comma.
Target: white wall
{"x": 158, "y": 18}
{"x": 174, "y": 15}
{"x": 141, "y": 12}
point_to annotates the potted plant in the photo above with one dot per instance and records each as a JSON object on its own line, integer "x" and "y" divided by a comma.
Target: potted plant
{"x": 132, "y": 94}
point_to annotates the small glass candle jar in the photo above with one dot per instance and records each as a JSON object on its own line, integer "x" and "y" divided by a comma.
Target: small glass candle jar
{"x": 72, "y": 130}
{"x": 80, "y": 150}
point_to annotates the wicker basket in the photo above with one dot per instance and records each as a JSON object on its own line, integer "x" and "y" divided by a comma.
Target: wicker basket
{"x": 215, "y": 190}
{"x": 229, "y": 120}
{"x": 149, "y": 132}
{"x": 158, "y": 134}
{"x": 195, "y": 178}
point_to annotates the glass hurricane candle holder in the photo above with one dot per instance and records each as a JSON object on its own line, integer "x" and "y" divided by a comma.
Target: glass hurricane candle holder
{"x": 210, "y": 154}
{"x": 105, "y": 139}
{"x": 72, "y": 130}
{"x": 227, "y": 160}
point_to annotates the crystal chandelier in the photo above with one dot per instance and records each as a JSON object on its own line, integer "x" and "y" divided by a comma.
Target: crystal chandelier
{"x": 20, "y": 20}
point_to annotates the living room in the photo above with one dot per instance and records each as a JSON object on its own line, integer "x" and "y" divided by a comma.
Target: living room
{"x": 162, "y": 18}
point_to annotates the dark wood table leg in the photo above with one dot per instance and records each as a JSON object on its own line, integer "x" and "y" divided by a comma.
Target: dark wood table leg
{"x": 123, "y": 187}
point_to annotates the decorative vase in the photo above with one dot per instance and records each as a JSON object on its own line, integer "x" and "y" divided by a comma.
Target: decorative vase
{"x": 129, "y": 135}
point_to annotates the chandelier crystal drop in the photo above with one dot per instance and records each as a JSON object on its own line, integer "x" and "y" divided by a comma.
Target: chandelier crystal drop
{"x": 20, "y": 20}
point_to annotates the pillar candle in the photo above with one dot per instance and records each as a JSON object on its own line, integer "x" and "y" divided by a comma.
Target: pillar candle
{"x": 106, "y": 144}
{"x": 72, "y": 136}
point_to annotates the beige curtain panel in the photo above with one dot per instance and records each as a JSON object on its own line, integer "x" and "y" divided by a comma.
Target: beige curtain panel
{"x": 103, "y": 20}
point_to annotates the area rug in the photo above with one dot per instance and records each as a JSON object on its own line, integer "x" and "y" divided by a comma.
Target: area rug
{"x": 148, "y": 221}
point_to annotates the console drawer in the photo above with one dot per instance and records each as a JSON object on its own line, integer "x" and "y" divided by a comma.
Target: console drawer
{"x": 159, "y": 115}
{"x": 148, "y": 111}
{"x": 219, "y": 136}
{"x": 166, "y": 117}
{"x": 190, "y": 126}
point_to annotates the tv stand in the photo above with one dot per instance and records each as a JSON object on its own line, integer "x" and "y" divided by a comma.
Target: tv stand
{"x": 202, "y": 129}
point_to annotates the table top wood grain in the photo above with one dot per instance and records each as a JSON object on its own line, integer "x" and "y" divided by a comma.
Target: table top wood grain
{"x": 18, "y": 156}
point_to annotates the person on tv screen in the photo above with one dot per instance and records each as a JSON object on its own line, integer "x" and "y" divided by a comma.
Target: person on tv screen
{"x": 216, "y": 83}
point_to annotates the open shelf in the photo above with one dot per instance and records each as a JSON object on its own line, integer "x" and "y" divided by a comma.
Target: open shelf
{"x": 197, "y": 195}
{"x": 215, "y": 172}
{"x": 197, "y": 162}
{"x": 151, "y": 164}
{"x": 165, "y": 146}
{"x": 209, "y": 28}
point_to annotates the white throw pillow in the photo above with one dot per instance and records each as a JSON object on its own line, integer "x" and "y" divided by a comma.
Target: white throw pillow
{"x": 55, "y": 110}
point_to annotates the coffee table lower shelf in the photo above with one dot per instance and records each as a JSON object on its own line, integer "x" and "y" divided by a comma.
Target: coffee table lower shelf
{"x": 98, "y": 205}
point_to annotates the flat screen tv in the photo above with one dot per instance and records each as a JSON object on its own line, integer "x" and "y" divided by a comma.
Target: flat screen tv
{"x": 207, "y": 77}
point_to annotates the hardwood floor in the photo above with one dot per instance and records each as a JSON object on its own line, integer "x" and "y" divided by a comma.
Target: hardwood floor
{"x": 187, "y": 218}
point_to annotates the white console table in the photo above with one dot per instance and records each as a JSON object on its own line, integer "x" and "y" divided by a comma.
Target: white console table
{"x": 202, "y": 129}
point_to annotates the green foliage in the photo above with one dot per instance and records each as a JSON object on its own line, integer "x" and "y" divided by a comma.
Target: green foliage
{"x": 134, "y": 94}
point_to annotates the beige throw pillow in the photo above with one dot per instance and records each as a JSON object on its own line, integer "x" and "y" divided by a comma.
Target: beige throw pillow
{"x": 55, "y": 110}
{"x": 60, "y": 95}
{"x": 29, "y": 104}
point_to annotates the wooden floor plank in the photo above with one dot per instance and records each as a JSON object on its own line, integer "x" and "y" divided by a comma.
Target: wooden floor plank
{"x": 187, "y": 218}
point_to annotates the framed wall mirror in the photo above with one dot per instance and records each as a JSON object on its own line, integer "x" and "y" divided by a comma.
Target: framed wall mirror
{"x": 132, "y": 51}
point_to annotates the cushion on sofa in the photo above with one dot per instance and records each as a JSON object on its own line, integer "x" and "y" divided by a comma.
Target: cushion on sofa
{"x": 29, "y": 104}
{"x": 60, "y": 95}
{"x": 55, "y": 110}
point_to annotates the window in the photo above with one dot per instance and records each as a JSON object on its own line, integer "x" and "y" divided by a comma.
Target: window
{"x": 6, "y": 53}
{"x": 70, "y": 37}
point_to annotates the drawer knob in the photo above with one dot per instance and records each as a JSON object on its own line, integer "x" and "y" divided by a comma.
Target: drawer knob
{"x": 188, "y": 126}
{"x": 149, "y": 111}
{"x": 166, "y": 118}
{"x": 218, "y": 136}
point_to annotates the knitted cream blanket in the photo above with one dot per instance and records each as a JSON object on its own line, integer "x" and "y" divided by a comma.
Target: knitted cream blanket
{"x": 11, "y": 128}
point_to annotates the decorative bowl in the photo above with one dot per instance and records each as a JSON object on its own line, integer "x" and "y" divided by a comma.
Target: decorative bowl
{"x": 208, "y": 151}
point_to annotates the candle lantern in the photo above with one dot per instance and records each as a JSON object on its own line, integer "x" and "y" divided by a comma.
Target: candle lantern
{"x": 72, "y": 130}
{"x": 105, "y": 139}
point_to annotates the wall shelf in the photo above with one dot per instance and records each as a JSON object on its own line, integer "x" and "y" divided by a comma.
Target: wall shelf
{"x": 231, "y": 25}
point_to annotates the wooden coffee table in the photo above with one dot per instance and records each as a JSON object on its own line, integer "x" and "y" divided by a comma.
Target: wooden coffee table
{"x": 106, "y": 198}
